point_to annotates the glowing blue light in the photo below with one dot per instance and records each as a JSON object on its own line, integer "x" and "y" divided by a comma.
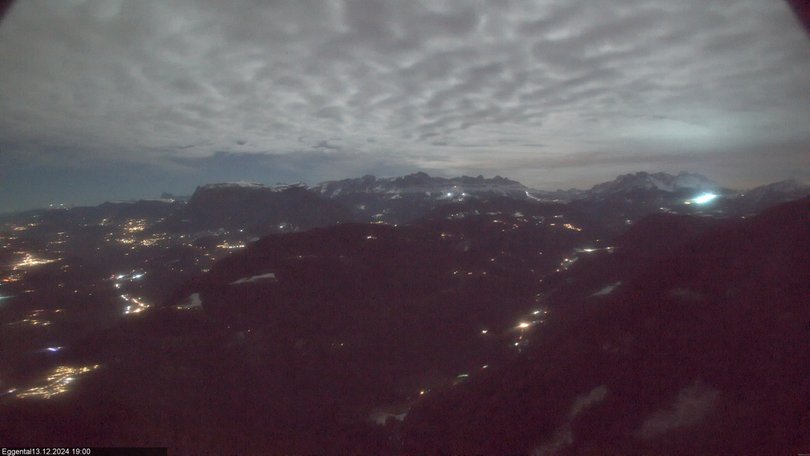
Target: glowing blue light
{"x": 704, "y": 198}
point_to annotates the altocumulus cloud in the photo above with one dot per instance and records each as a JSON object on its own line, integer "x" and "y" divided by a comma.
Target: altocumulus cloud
{"x": 544, "y": 91}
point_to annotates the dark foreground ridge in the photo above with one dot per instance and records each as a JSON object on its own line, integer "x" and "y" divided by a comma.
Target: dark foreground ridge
{"x": 495, "y": 322}
{"x": 696, "y": 353}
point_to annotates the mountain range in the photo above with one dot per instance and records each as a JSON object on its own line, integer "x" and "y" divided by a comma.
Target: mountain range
{"x": 261, "y": 209}
{"x": 654, "y": 314}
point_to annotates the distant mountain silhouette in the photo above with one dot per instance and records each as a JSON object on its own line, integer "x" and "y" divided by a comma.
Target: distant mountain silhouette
{"x": 256, "y": 209}
{"x": 407, "y": 198}
{"x": 656, "y": 181}
{"x": 765, "y": 196}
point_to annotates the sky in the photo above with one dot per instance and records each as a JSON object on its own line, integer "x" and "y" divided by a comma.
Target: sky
{"x": 103, "y": 100}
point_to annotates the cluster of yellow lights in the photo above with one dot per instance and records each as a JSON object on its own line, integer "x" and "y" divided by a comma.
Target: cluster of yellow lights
{"x": 35, "y": 322}
{"x": 30, "y": 321}
{"x": 30, "y": 261}
{"x": 133, "y": 226}
{"x": 152, "y": 240}
{"x": 25, "y": 227}
{"x": 136, "y": 305}
{"x": 226, "y": 245}
{"x": 57, "y": 382}
{"x": 33, "y": 319}
{"x": 572, "y": 227}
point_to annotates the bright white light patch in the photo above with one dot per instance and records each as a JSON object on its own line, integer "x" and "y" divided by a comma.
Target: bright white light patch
{"x": 704, "y": 198}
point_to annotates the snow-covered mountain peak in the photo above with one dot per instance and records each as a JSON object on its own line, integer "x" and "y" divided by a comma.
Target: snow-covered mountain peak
{"x": 655, "y": 181}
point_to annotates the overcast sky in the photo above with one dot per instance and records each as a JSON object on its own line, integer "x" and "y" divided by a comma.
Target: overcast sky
{"x": 120, "y": 99}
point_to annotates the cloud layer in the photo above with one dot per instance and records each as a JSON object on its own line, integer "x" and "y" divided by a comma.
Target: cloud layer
{"x": 543, "y": 91}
